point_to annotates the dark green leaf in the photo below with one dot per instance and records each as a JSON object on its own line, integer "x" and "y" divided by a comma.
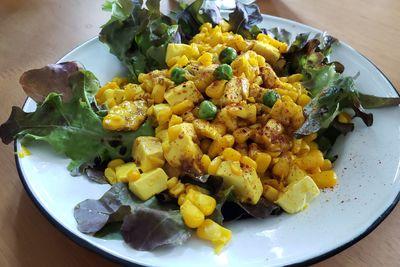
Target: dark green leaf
{"x": 147, "y": 229}
{"x": 120, "y": 9}
{"x": 192, "y": 17}
{"x": 140, "y": 39}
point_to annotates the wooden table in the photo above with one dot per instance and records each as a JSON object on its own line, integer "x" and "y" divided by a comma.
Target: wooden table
{"x": 37, "y": 32}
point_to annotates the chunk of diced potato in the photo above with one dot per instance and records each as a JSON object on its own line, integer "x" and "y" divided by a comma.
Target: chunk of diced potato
{"x": 236, "y": 90}
{"x": 297, "y": 195}
{"x": 181, "y": 149}
{"x": 149, "y": 184}
{"x": 147, "y": 151}
{"x": 247, "y": 187}
{"x": 184, "y": 91}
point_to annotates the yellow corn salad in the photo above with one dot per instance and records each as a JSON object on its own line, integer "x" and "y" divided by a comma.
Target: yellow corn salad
{"x": 248, "y": 143}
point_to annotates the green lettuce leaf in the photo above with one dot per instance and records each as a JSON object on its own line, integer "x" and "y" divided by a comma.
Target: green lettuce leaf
{"x": 120, "y": 9}
{"x": 138, "y": 35}
{"x": 72, "y": 128}
{"x": 196, "y": 14}
{"x": 370, "y": 101}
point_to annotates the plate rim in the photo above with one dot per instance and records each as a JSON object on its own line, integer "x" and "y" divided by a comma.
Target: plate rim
{"x": 87, "y": 245}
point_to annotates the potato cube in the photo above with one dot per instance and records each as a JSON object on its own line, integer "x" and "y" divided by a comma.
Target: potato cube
{"x": 149, "y": 184}
{"x": 247, "y": 187}
{"x": 184, "y": 91}
{"x": 147, "y": 151}
{"x": 297, "y": 195}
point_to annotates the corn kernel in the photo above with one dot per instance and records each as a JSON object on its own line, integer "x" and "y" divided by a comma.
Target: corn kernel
{"x": 204, "y": 202}
{"x": 109, "y": 94}
{"x": 270, "y": 193}
{"x": 205, "y": 161}
{"x": 181, "y": 199}
{"x": 205, "y": 59}
{"x": 110, "y": 175}
{"x": 111, "y": 103}
{"x": 215, "y": 148}
{"x": 211, "y": 231}
{"x": 115, "y": 163}
{"x": 231, "y": 154}
{"x": 303, "y": 100}
{"x": 213, "y": 166}
{"x": 196, "y": 188}
{"x": 263, "y": 160}
{"x": 311, "y": 137}
{"x": 114, "y": 122}
{"x": 324, "y": 179}
{"x": 313, "y": 146}
{"x": 133, "y": 176}
{"x": 126, "y": 172}
{"x": 327, "y": 165}
{"x": 298, "y": 77}
{"x": 172, "y": 182}
{"x": 175, "y": 120}
{"x": 248, "y": 162}
{"x": 344, "y": 117}
{"x": 174, "y": 132}
{"x": 281, "y": 168}
{"x": 227, "y": 140}
{"x": 192, "y": 215}
{"x": 235, "y": 168}
{"x": 178, "y": 189}
{"x": 182, "y": 107}
{"x": 158, "y": 93}
{"x": 220, "y": 127}
{"x": 310, "y": 160}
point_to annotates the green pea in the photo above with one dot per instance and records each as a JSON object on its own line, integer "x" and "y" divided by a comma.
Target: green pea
{"x": 227, "y": 55}
{"x": 207, "y": 110}
{"x": 178, "y": 75}
{"x": 270, "y": 98}
{"x": 223, "y": 72}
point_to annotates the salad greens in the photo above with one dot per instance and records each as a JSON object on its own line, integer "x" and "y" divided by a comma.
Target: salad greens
{"x": 69, "y": 119}
{"x": 72, "y": 127}
{"x": 138, "y": 34}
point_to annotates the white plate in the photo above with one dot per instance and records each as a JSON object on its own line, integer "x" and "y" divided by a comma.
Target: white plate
{"x": 369, "y": 185}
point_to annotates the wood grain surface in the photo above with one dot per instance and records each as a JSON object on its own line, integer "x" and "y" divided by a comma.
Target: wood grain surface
{"x": 37, "y": 32}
